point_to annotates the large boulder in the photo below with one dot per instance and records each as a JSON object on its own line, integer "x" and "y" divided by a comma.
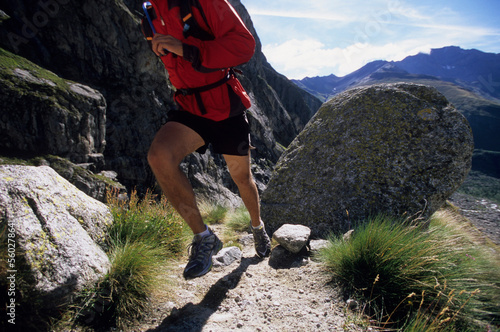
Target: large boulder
{"x": 56, "y": 229}
{"x": 397, "y": 149}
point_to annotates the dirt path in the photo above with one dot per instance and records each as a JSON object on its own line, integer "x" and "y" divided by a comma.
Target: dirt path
{"x": 250, "y": 295}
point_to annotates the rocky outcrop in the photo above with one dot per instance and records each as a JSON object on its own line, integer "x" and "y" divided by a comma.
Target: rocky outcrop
{"x": 55, "y": 230}
{"x": 43, "y": 114}
{"x": 99, "y": 44}
{"x": 393, "y": 149}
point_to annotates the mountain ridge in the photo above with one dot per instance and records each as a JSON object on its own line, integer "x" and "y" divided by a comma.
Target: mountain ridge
{"x": 472, "y": 69}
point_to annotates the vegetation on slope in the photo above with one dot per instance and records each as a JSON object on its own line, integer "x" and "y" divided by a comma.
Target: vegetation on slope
{"x": 418, "y": 276}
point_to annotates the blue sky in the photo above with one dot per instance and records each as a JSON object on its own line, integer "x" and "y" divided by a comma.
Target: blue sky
{"x": 323, "y": 37}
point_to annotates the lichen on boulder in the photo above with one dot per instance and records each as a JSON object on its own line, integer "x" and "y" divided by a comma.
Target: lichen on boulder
{"x": 395, "y": 149}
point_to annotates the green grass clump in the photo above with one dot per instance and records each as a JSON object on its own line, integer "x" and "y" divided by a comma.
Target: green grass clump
{"x": 145, "y": 234}
{"x": 238, "y": 220}
{"x": 123, "y": 294}
{"x": 213, "y": 213}
{"x": 148, "y": 221}
{"x": 401, "y": 269}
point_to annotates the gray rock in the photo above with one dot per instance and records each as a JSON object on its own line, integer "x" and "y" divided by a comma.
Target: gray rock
{"x": 112, "y": 175}
{"x": 292, "y": 237}
{"x": 95, "y": 186}
{"x": 317, "y": 245}
{"x": 246, "y": 240}
{"x": 3, "y": 15}
{"x": 397, "y": 149}
{"x": 227, "y": 256}
{"x": 352, "y": 304}
{"x": 57, "y": 230}
{"x": 348, "y": 235}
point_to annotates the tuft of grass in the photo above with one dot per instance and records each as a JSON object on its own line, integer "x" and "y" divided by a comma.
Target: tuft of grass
{"x": 132, "y": 278}
{"x": 213, "y": 213}
{"x": 147, "y": 220}
{"x": 238, "y": 219}
{"x": 400, "y": 268}
{"x": 426, "y": 319}
{"x": 124, "y": 293}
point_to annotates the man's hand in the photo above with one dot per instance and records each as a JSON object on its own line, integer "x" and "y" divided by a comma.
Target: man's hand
{"x": 171, "y": 44}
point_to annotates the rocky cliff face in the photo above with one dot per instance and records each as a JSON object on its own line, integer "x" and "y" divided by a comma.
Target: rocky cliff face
{"x": 43, "y": 113}
{"x": 99, "y": 44}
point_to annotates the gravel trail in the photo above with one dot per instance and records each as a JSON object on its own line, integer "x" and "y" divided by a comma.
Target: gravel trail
{"x": 251, "y": 295}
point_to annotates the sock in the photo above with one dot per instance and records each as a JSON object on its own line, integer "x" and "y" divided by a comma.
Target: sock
{"x": 203, "y": 234}
{"x": 260, "y": 226}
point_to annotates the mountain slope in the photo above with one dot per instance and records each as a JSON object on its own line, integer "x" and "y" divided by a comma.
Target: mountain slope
{"x": 471, "y": 69}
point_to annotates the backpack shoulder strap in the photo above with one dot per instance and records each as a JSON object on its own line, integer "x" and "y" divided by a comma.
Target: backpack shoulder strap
{"x": 191, "y": 26}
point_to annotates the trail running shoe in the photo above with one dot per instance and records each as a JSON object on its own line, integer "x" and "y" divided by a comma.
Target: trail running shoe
{"x": 261, "y": 241}
{"x": 200, "y": 258}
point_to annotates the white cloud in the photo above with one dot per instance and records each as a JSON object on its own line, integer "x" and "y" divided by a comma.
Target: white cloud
{"x": 300, "y": 58}
{"x": 308, "y": 14}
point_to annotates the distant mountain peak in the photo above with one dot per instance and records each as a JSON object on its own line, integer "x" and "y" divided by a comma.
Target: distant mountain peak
{"x": 472, "y": 69}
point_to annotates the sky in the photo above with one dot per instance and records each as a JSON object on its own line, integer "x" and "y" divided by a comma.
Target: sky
{"x": 310, "y": 38}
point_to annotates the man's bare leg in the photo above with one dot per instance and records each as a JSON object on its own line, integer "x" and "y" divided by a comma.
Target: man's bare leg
{"x": 239, "y": 168}
{"x": 172, "y": 143}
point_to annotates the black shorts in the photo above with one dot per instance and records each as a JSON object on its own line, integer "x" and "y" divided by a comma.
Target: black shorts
{"x": 230, "y": 136}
